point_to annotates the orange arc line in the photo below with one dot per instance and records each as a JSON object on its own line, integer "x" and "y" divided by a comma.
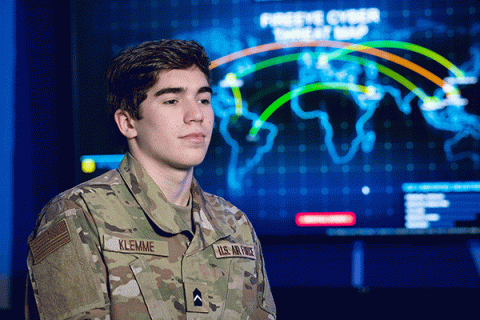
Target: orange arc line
{"x": 275, "y": 46}
{"x": 406, "y": 63}
{"x": 335, "y": 44}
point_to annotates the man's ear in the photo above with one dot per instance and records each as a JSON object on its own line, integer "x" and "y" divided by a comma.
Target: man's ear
{"x": 125, "y": 123}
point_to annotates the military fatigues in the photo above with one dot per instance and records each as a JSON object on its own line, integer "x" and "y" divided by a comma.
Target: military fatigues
{"x": 114, "y": 248}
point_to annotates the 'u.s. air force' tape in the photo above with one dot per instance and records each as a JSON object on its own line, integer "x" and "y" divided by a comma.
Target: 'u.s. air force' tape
{"x": 234, "y": 250}
{"x": 133, "y": 245}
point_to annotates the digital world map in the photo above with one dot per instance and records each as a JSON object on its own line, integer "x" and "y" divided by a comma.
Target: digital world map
{"x": 320, "y": 107}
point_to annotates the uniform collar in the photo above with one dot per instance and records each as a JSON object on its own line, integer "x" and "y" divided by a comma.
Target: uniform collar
{"x": 210, "y": 224}
{"x": 212, "y": 220}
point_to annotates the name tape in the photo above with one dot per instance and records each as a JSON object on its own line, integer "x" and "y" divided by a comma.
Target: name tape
{"x": 132, "y": 245}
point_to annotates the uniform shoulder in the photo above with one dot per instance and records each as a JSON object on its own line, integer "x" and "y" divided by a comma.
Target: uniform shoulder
{"x": 71, "y": 203}
{"x": 224, "y": 206}
{"x": 104, "y": 181}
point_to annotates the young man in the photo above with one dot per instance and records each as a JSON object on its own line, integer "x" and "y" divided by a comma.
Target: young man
{"x": 144, "y": 241}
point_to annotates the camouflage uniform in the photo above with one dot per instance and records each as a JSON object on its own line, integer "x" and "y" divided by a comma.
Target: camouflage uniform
{"x": 114, "y": 248}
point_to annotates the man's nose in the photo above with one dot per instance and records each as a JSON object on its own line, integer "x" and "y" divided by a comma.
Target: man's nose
{"x": 193, "y": 112}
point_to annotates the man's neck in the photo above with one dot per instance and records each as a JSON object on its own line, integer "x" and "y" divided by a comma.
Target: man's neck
{"x": 174, "y": 183}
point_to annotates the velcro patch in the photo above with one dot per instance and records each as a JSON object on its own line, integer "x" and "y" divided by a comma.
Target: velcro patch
{"x": 49, "y": 241}
{"x": 65, "y": 282}
{"x": 131, "y": 245}
{"x": 234, "y": 250}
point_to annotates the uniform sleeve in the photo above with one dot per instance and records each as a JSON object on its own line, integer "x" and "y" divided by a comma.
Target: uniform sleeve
{"x": 66, "y": 269}
{"x": 265, "y": 304}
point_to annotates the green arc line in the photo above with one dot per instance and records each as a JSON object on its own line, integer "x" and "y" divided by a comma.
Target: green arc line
{"x": 299, "y": 91}
{"x": 341, "y": 54}
{"x": 381, "y": 68}
{"x": 372, "y": 44}
{"x": 294, "y": 57}
{"x": 390, "y": 73}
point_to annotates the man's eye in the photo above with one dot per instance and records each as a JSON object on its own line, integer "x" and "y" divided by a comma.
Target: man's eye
{"x": 170, "y": 102}
{"x": 205, "y": 101}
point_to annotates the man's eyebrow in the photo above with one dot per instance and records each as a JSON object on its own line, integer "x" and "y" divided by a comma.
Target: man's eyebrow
{"x": 180, "y": 90}
{"x": 168, "y": 90}
{"x": 205, "y": 89}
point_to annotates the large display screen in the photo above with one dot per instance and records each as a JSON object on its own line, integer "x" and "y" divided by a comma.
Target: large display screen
{"x": 332, "y": 117}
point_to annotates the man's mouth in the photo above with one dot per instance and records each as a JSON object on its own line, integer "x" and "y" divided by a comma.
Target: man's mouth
{"x": 196, "y": 137}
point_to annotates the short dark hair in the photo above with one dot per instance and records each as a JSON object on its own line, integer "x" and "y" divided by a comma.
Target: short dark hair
{"x": 135, "y": 70}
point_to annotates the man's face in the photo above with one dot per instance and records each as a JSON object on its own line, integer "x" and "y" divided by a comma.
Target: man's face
{"x": 176, "y": 120}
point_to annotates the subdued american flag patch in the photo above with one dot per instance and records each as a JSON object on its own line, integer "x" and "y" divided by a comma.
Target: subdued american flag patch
{"x": 49, "y": 241}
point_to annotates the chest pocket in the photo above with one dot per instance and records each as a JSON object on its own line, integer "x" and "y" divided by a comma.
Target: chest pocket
{"x": 242, "y": 278}
{"x": 242, "y": 288}
{"x": 146, "y": 280}
{"x": 137, "y": 269}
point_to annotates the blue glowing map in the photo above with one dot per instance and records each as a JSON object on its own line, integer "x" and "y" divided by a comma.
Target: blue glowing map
{"x": 320, "y": 107}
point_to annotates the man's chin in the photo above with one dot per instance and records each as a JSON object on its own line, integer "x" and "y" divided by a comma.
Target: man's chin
{"x": 188, "y": 165}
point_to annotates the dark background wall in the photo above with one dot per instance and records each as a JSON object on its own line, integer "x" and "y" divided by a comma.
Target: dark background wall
{"x": 43, "y": 124}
